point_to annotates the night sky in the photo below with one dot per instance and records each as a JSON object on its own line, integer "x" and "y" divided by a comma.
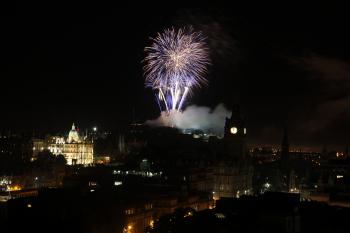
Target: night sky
{"x": 82, "y": 63}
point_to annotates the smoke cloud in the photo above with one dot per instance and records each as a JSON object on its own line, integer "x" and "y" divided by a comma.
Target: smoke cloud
{"x": 203, "y": 118}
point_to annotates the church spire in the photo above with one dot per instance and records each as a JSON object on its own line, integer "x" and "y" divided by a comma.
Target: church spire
{"x": 285, "y": 147}
{"x": 285, "y": 142}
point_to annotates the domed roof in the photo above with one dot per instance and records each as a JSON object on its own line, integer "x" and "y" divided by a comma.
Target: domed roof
{"x": 73, "y": 135}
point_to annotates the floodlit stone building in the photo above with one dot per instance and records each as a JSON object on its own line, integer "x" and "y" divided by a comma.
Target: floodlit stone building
{"x": 75, "y": 148}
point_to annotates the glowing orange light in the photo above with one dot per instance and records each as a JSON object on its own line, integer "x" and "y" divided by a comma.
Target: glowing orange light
{"x": 14, "y": 188}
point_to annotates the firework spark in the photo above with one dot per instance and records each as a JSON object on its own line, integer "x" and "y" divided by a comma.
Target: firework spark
{"x": 176, "y": 62}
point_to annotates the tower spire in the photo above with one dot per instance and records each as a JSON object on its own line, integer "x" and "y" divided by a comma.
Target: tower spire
{"x": 285, "y": 148}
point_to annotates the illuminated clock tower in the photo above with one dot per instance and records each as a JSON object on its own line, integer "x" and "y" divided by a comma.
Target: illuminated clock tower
{"x": 235, "y": 126}
{"x": 233, "y": 176}
{"x": 235, "y": 134}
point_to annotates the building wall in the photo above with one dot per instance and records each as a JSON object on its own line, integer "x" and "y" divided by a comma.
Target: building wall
{"x": 232, "y": 181}
{"x": 201, "y": 179}
{"x": 75, "y": 153}
{"x": 168, "y": 205}
{"x": 38, "y": 145}
{"x": 138, "y": 217}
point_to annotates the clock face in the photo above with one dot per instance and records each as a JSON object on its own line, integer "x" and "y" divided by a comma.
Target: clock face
{"x": 233, "y": 130}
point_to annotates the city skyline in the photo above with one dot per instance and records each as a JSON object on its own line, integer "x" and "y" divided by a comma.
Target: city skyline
{"x": 83, "y": 64}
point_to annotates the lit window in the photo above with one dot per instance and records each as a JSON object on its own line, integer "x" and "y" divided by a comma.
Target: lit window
{"x": 117, "y": 183}
{"x": 129, "y": 211}
{"x": 220, "y": 215}
{"x": 148, "y": 206}
{"x": 92, "y": 183}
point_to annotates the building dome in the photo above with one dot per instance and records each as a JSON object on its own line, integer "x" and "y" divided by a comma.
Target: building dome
{"x": 73, "y": 135}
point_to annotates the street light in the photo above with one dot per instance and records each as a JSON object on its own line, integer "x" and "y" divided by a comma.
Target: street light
{"x": 94, "y": 129}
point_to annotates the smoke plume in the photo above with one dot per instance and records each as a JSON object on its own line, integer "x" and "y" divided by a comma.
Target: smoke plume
{"x": 208, "y": 120}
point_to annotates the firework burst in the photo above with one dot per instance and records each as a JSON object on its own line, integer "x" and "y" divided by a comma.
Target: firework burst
{"x": 176, "y": 62}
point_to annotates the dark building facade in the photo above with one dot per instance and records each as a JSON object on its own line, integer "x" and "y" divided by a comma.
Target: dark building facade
{"x": 235, "y": 134}
{"x": 233, "y": 174}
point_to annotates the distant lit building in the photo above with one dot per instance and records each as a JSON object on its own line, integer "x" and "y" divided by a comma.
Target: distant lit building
{"x": 102, "y": 159}
{"x": 75, "y": 148}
